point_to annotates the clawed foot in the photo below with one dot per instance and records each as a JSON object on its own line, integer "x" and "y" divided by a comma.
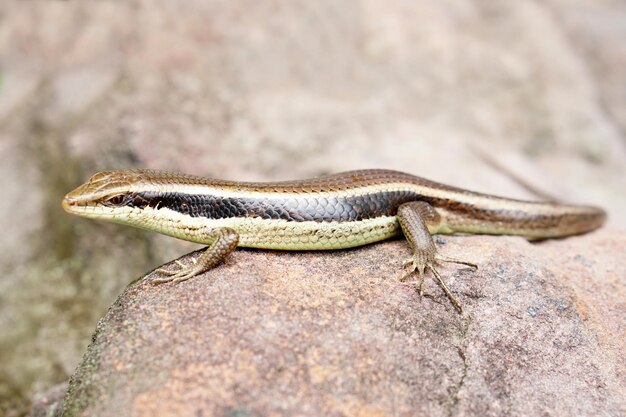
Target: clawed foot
{"x": 178, "y": 275}
{"x": 224, "y": 241}
{"x": 420, "y": 264}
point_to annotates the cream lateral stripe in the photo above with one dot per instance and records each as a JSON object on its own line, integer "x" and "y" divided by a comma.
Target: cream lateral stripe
{"x": 225, "y": 192}
{"x": 257, "y": 232}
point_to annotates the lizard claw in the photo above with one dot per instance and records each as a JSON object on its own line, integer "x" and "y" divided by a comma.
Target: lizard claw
{"x": 442, "y": 258}
{"x": 184, "y": 273}
{"x": 420, "y": 264}
{"x": 415, "y": 265}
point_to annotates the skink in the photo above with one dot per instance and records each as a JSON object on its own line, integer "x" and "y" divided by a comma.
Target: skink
{"x": 331, "y": 212}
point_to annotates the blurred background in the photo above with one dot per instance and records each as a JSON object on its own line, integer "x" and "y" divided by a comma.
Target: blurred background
{"x": 524, "y": 99}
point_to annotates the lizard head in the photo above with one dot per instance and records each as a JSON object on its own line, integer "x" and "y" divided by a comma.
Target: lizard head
{"x": 104, "y": 194}
{"x": 128, "y": 196}
{"x": 153, "y": 200}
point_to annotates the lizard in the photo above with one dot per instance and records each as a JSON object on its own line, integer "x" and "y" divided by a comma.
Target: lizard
{"x": 331, "y": 212}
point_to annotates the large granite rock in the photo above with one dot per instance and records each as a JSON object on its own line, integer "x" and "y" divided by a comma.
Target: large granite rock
{"x": 336, "y": 334}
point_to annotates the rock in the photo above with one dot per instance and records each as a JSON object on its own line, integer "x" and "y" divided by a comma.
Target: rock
{"x": 272, "y": 333}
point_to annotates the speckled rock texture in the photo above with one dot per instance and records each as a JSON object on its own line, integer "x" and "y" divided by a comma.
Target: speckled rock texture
{"x": 337, "y": 334}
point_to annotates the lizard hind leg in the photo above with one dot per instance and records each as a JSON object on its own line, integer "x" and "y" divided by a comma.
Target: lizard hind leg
{"x": 414, "y": 218}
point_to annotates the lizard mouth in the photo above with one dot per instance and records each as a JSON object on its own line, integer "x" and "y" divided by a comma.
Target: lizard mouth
{"x": 75, "y": 201}
{"x": 71, "y": 203}
{"x": 76, "y": 206}
{"x": 66, "y": 204}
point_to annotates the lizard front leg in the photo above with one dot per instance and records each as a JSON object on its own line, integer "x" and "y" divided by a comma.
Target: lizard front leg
{"x": 414, "y": 218}
{"x": 224, "y": 241}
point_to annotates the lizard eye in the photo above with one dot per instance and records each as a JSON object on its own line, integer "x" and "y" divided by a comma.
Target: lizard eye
{"x": 117, "y": 200}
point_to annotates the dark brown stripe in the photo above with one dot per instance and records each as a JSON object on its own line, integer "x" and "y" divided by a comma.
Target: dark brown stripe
{"x": 298, "y": 208}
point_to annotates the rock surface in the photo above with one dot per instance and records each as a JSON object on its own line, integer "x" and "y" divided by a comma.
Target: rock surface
{"x": 336, "y": 334}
